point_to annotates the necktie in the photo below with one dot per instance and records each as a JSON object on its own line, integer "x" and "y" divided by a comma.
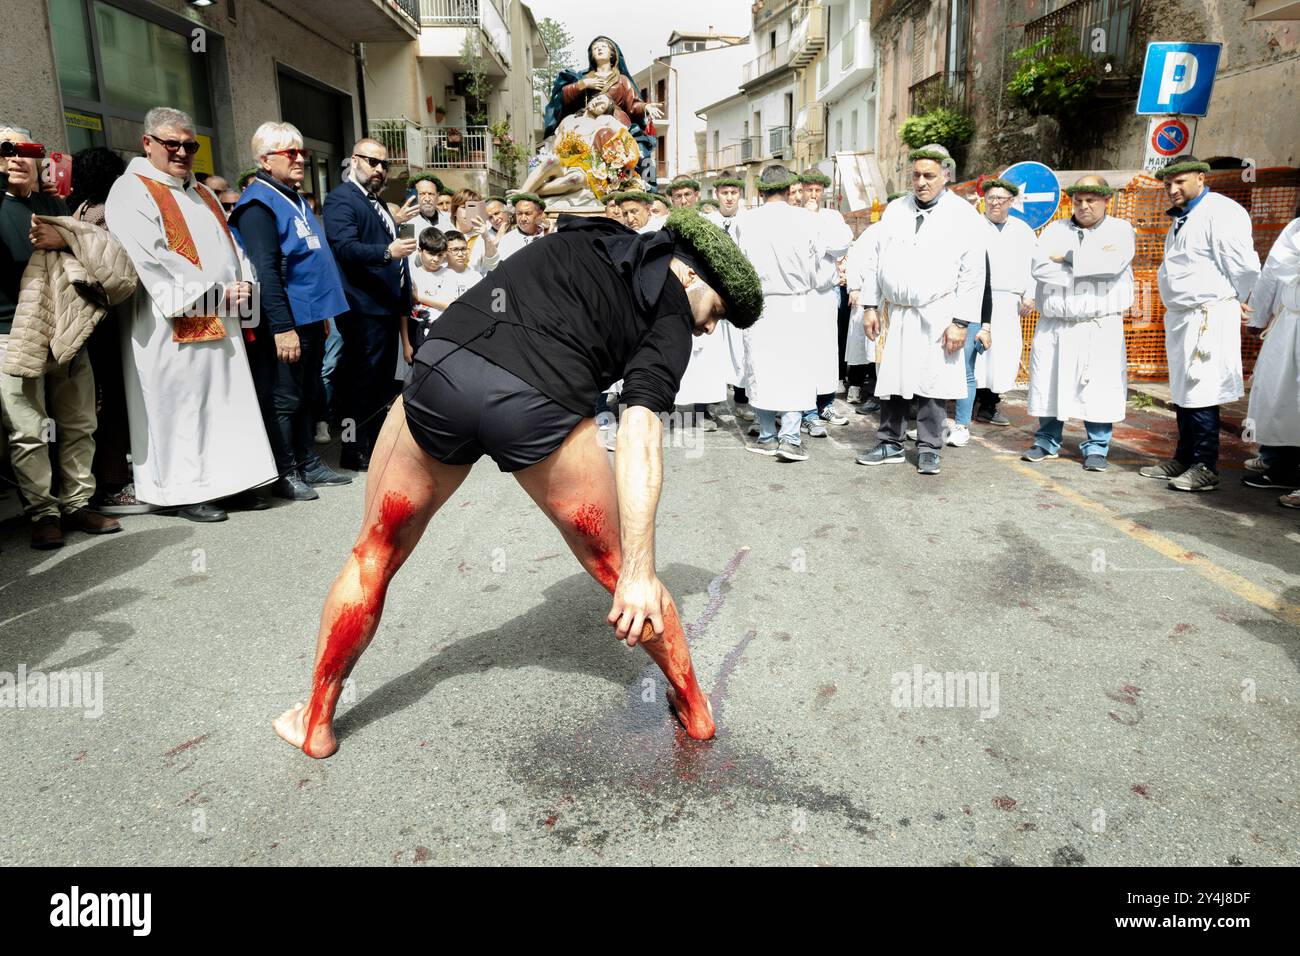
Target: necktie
{"x": 1178, "y": 223}
{"x": 726, "y": 226}
{"x": 383, "y": 213}
{"x": 920, "y": 218}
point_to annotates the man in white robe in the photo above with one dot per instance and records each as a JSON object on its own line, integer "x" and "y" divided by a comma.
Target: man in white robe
{"x": 531, "y": 224}
{"x": 1078, "y": 367}
{"x": 823, "y": 325}
{"x": 729, "y": 192}
{"x": 993, "y": 354}
{"x": 927, "y": 272}
{"x": 196, "y": 429}
{"x": 784, "y": 244}
{"x": 1209, "y": 268}
{"x": 859, "y": 351}
{"x": 1274, "y": 413}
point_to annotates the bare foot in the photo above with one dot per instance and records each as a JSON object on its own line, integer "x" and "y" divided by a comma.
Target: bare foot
{"x": 697, "y": 723}
{"x": 292, "y": 726}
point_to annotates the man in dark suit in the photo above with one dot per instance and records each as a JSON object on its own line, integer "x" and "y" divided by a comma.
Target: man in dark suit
{"x": 363, "y": 236}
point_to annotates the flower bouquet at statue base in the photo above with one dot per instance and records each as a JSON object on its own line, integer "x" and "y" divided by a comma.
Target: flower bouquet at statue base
{"x": 608, "y": 163}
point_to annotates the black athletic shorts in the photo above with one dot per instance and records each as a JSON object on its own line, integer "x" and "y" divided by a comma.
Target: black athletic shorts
{"x": 460, "y": 406}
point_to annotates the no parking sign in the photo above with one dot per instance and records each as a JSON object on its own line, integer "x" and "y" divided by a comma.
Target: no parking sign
{"x": 1168, "y": 137}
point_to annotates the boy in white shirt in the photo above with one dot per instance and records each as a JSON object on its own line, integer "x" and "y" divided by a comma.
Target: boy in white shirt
{"x": 426, "y": 280}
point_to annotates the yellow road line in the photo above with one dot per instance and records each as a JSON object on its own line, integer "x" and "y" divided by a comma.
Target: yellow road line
{"x": 1245, "y": 589}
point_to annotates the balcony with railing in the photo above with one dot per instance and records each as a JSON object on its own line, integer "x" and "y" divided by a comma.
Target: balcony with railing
{"x": 771, "y": 61}
{"x": 445, "y": 24}
{"x": 810, "y": 123}
{"x": 778, "y": 142}
{"x": 369, "y": 20}
{"x": 436, "y": 147}
{"x": 1115, "y": 19}
{"x": 808, "y": 34}
{"x": 943, "y": 88}
{"x": 847, "y": 63}
{"x": 751, "y": 149}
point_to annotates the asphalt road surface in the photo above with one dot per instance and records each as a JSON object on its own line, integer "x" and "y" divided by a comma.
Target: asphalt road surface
{"x": 1126, "y": 658}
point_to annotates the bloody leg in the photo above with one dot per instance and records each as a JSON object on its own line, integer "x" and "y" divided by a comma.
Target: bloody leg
{"x": 575, "y": 487}
{"x": 404, "y": 488}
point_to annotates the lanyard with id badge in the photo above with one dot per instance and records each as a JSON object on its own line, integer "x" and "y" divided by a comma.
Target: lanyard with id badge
{"x": 300, "y": 224}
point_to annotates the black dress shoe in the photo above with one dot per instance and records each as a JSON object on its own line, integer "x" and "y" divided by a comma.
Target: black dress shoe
{"x": 322, "y": 474}
{"x": 248, "y": 500}
{"x": 292, "y": 486}
{"x": 205, "y": 512}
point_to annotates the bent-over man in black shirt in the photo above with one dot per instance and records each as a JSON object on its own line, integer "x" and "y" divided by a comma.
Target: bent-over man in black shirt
{"x": 512, "y": 370}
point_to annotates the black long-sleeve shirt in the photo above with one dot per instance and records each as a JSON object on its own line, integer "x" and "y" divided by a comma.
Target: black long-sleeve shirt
{"x": 260, "y": 236}
{"x": 592, "y": 304}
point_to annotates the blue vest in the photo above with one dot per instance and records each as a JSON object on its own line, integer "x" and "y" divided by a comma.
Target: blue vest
{"x": 311, "y": 276}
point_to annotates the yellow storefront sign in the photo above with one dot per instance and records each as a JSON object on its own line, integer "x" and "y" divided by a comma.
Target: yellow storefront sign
{"x": 83, "y": 121}
{"x": 203, "y": 159}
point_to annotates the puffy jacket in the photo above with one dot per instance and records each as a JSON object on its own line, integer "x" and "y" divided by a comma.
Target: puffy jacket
{"x": 63, "y": 295}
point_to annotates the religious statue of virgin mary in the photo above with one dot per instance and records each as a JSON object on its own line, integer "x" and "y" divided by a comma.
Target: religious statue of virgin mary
{"x": 606, "y": 73}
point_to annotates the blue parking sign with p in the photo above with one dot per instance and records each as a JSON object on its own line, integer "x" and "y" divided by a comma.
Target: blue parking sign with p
{"x": 1178, "y": 78}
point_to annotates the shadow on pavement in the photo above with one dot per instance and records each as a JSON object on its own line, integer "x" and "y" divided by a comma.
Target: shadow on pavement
{"x": 37, "y": 617}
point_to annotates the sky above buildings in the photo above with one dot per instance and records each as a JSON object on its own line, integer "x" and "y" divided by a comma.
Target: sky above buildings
{"x": 642, "y": 30}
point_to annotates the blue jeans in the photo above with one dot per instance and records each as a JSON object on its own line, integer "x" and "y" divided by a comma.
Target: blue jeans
{"x": 966, "y": 406}
{"x": 324, "y": 403}
{"x": 823, "y": 401}
{"x": 1048, "y": 436}
{"x": 767, "y": 429}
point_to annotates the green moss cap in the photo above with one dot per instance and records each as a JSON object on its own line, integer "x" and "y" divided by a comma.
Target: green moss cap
{"x": 933, "y": 154}
{"x": 1188, "y": 165}
{"x": 720, "y": 263}
{"x": 1095, "y": 188}
{"x": 429, "y": 177}
{"x": 995, "y": 183}
{"x": 527, "y": 197}
{"x": 677, "y": 184}
{"x": 243, "y": 178}
{"x": 728, "y": 181}
{"x": 814, "y": 178}
{"x": 777, "y": 187}
{"x": 634, "y": 195}
{"x": 892, "y": 196}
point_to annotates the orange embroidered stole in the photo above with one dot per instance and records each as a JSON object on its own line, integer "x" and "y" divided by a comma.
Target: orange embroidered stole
{"x": 188, "y": 328}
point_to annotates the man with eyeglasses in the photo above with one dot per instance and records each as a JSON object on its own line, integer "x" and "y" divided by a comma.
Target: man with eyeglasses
{"x": 196, "y": 428}
{"x": 372, "y": 257}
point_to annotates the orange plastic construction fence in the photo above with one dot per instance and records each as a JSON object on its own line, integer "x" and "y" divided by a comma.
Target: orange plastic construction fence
{"x": 1269, "y": 195}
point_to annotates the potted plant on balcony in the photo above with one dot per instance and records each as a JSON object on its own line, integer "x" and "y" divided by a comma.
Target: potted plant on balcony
{"x": 509, "y": 154}
{"x": 1053, "y": 76}
{"x": 439, "y": 115}
{"x": 942, "y": 123}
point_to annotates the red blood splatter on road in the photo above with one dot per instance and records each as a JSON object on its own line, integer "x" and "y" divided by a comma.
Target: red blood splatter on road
{"x": 1128, "y": 694}
{"x": 1141, "y": 790}
{"x": 421, "y": 855}
{"x": 550, "y": 821}
{"x": 186, "y": 746}
{"x": 1004, "y": 803}
{"x": 1182, "y": 628}
{"x": 1026, "y": 827}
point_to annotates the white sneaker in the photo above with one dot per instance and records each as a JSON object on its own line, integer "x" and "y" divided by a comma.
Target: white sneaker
{"x": 854, "y": 395}
{"x": 911, "y": 434}
{"x": 322, "y": 433}
{"x": 1256, "y": 465}
{"x": 958, "y": 436}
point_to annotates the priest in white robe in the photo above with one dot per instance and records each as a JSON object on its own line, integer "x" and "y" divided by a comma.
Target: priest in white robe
{"x": 1078, "y": 368}
{"x": 926, "y": 275}
{"x": 784, "y": 244}
{"x": 196, "y": 429}
{"x": 1209, "y": 268}
{"x": 1274, "y": 414}
{"x": 859, "y": 351}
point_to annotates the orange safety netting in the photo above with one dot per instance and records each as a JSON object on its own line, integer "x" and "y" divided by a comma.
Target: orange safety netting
{"x": 1270, "y": 199}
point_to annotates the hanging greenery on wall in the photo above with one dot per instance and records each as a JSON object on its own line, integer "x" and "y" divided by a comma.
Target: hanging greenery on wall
{"x": 1053, "y": 76}
{"x": 941, "y": 124}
